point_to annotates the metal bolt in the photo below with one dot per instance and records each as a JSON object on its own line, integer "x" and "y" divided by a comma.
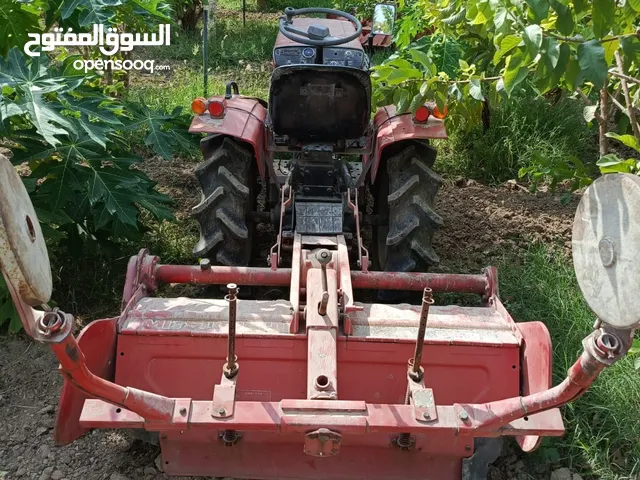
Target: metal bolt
{"x": 464, "y": 415}
{"x": 205, "y": 264}
{"x": 467, "y": 448}
{"x": 222, "y": 411}
{"x": 183, "y": 411}
{"x": 426, "y": 415}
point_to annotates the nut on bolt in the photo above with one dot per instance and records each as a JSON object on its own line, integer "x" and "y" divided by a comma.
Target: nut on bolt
{"x": 323, "y": 256}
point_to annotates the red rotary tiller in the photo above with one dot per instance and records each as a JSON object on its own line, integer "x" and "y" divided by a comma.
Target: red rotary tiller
{"x": 318, "y": 386}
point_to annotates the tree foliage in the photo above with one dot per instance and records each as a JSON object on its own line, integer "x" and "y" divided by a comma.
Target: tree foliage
{"x": 59, "y": 123}
{"x": 588, "y": 49}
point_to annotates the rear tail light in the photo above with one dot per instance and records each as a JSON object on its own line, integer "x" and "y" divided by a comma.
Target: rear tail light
{"x": 440, "y": 114}
{"x": 422, "y": 114}
{"x": 199, "y": 106}
{"x": 216, "y": 109}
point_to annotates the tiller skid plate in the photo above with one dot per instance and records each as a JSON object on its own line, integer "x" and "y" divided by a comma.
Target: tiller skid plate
{"x": 318, "y": 386}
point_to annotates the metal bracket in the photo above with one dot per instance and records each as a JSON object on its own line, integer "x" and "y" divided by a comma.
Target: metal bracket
{"x": 322, "y": 443}
{"x": 224, "y": 397}
{"x": 274, "y": 255}
{"x": 422, "y": 399}
{"x": 363, "y": 253}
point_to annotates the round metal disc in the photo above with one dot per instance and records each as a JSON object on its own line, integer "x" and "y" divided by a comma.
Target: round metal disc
{"x": 23, "y": 254}
{"x": 606, "y": 249}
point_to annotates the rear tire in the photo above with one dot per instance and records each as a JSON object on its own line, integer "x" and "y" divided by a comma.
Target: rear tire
{"x": 228, "y": 197}
{"x": 406, "y": 191}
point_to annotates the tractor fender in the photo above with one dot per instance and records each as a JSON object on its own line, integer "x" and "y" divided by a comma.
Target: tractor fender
{"x": 536, "y": 369}
{"x": 98, "y": 344}
{"x": 392, "y": 128}
{"x": 243, "y": 119}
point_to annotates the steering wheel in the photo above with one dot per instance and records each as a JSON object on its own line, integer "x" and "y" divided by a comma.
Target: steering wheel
{"x": 316, "y": 35}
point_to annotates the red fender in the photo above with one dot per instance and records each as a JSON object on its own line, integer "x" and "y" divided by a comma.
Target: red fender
{"x": 391, "y": 128}
{"x": 536, "y": 369}
{"x": 243, "y": 119}
{"x": 98, "y": 343}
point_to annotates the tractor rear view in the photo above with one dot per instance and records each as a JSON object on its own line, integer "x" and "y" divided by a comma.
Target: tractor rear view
{"x": 319, "y": 385}
{"x": 315, "y": 152}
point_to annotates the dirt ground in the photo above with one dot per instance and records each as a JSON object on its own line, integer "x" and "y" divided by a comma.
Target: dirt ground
{"x": 481, "y": 223}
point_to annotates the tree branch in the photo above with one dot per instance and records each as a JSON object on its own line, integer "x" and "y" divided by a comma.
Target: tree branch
{"x": 627, "y": 97}
{"x": 616, "y": 73}
{"x": 449, "y": 82}
{"x": 585, "y": 99}
{"x": 580, "y": 39}
{"x": 621, "y": 107}
{"x": 603, "y": 122}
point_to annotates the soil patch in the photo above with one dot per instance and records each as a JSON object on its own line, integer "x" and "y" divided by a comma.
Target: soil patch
{"x": 482, "y": 224}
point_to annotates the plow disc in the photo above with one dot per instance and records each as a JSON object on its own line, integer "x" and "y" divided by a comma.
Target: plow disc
{"x": 319, "y": 385}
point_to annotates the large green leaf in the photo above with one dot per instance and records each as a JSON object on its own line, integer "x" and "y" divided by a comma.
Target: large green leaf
{"x": 533, "y": 39}
{"x": 603, "y": 14}
{"x": 455, "y": 18}
{"x": 475, "y": 89}
{"x": 539, "y": 9}
{"x": 592, "y": 62}
{"x": 91, "y": 11}
{"x": 157, "y": 125}
{"x": 631, "y": 48}
{"x": 613, "y": 164}
{"x": 16, "y": 22}
{"x": 515, "y": 72}
{"x": 33, "y": 82}
{"x": 573, "y": 75}
{"x": 564, "y": 23}
{"x": 629, "y": 140}
{"x": 610, "y": 50}
{"x": 580, "y": 5}
{"x": 635, "y": 4}
{"x": 507, "y": 44}
{"x": 552, "y": 51}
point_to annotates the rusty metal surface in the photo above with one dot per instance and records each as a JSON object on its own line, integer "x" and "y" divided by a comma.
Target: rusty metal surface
{"x": 414, "y": 281}
{"x": 199, "y": 316}
{"x": 605, "y": 246}
{"x": 322, "y": 443}
{"x": 481, "y": 325}
{"x": 24, "y": 259}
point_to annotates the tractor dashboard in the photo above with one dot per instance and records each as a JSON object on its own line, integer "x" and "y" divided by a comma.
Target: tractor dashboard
{"x": 343, "y": 57}
{"x": 332, "y": 56}
{"x": 295, "y": 55}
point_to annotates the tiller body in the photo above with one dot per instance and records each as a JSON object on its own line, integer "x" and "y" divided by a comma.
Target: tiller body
{"x": 318, "y": 386}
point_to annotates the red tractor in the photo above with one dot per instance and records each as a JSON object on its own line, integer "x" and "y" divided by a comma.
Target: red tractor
{"x": 315, "y": 148}
{"x": 318, "y": 385}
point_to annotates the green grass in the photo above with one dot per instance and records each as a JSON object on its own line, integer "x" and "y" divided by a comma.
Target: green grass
{"x": 603, "y": 431}
{"x": 187, "y": 84}
{"x": 518, "y": 128}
